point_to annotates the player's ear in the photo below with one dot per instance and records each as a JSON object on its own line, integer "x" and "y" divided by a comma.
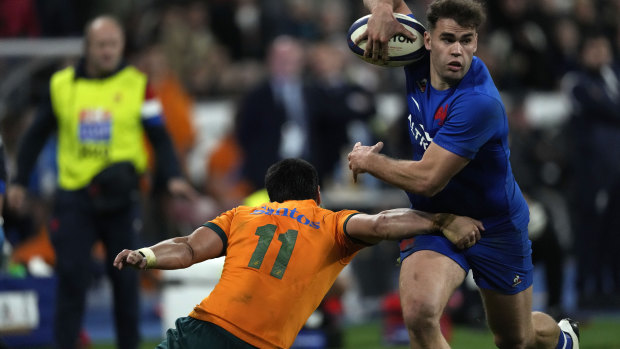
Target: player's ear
{"x": 427, "y": 40}
{"x": 475, "y": 42}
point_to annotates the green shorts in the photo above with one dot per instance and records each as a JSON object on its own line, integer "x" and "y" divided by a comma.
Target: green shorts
{"x": 194, "y": 333}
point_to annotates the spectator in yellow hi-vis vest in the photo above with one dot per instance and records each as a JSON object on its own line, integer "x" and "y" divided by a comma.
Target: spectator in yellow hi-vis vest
{"x": 100, "y": 110}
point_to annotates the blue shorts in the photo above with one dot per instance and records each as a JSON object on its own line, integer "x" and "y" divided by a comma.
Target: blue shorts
{"x": 500, "y": 261}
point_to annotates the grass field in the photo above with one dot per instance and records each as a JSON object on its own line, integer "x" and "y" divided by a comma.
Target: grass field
{"x": 599, "y": 333}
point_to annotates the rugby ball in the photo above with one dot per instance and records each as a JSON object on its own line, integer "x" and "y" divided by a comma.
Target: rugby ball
{"x": 401, "y": 50}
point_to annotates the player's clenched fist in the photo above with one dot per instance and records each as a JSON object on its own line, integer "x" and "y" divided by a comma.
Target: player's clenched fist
{"x": 360, "y": 156}
{"x": 130, "y": 258}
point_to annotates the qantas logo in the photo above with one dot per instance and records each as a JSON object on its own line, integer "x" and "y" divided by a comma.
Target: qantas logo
{"x": 418, "y": 134}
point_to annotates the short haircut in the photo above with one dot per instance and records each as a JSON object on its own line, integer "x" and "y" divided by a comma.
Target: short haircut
{"x": 106, "y": 17}
{"x": 292, "y": 179}
{"x": 466, "y": 13}
{"x": 589, "y": 35}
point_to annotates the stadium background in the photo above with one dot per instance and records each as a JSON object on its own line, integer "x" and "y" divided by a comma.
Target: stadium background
{"x": 206, "y": 55}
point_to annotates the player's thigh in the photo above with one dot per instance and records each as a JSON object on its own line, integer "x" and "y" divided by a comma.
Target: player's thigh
{"x": 509, "y": 316}
{"x": 427, "y": 280}
{"x": 502, "y": 261}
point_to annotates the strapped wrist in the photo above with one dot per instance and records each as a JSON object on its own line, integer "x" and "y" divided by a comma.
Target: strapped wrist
{"x": 147, "y": 253}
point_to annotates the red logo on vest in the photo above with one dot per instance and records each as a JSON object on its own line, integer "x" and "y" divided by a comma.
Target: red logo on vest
{"x": 441, "y": 114}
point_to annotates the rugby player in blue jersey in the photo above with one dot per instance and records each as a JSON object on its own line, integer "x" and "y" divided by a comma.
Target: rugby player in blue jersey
{"x": 458, "y": 130}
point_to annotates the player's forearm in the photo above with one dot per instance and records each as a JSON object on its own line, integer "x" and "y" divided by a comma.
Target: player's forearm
{"x": 408, "y": 175}
{"x": 392, "y": 224}
{"x": 402, "y": 223}
{"x": 175, "y": 253}
{"x": 387, "y": 5}
{"x": 374, "y": 5}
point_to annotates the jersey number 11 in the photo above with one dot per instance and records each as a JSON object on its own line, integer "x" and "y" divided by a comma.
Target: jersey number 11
{"x": 265, "y": 236}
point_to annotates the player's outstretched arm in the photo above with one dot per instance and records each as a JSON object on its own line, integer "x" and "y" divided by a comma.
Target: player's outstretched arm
{"x": 175, "y": 253}
{"x": 402, "y": 223}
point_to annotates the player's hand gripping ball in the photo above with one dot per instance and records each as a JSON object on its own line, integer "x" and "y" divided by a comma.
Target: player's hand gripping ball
{"x": 401, "y": 49}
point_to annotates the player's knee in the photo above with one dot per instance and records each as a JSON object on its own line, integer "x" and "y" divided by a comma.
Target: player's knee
{"x": 420, "y": 316}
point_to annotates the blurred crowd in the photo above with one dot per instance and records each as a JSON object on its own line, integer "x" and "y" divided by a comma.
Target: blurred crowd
{"x": 297, "y": 92}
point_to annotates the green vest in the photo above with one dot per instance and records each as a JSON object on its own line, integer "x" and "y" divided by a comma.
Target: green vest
{"x": 99, "y": 123}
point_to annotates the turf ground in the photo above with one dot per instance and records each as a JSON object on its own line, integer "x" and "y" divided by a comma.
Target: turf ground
{"x": 597, "y": 333}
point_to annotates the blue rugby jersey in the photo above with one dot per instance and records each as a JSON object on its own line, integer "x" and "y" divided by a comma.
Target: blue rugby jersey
{"x": 468, "y": 120}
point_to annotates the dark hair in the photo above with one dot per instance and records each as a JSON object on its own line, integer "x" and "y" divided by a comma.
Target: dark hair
{"x": 292, "y": 179}
{"x": 467, "y": 13}
{"x": 591, "y": 34}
